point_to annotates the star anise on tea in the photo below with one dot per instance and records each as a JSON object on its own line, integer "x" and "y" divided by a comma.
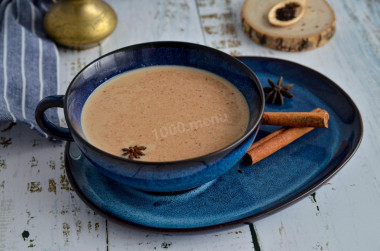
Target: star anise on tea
{"x": 133, "y": 152}
{"x": 276, "y": 93}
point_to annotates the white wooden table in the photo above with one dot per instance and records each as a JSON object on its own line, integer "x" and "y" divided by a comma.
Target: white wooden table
{"x": 39, "y": 210}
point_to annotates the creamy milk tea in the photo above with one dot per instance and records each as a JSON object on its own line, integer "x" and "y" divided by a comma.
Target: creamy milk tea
{"x": 164, "y": 113}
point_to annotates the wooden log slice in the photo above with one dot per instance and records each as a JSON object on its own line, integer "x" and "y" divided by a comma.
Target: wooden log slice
{"x": 314, "y": 29}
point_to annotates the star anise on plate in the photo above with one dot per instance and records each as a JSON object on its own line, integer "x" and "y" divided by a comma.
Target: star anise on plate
{"x": 277, "y": 92}
{"x": 133, "y": 152}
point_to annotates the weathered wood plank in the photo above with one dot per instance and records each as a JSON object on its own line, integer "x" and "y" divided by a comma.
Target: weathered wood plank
{"x": 232, "y": 238}
{"x": 72, "y": 61}
{"x": 38, "y": 208}
{"x": 158, "y": 20}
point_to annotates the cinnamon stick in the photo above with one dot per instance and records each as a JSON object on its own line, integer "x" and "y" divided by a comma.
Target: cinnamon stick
{"x": 276, "y": 140}
{"x": 315, "y": 118}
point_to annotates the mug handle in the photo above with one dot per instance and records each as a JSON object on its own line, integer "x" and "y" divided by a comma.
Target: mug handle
{"x": 46, "y": 125}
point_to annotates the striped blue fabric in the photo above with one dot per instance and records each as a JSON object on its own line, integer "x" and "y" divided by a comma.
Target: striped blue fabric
{"x": 28, "y": 61}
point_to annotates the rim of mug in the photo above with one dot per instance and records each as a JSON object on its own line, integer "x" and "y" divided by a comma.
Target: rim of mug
{"x": 174, "y": 44}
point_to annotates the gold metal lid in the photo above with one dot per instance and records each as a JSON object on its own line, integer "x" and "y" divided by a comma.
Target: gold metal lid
{"x": 80, "y": 23}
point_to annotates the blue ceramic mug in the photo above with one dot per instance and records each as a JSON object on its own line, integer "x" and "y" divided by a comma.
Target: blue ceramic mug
{"x": 156, "y": 176}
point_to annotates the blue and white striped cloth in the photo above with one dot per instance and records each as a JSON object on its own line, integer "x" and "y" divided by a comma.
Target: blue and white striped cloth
{"x": 28, "y": 61}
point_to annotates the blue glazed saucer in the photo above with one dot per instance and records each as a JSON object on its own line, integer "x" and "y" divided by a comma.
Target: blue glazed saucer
{"x": 245, "y": 191}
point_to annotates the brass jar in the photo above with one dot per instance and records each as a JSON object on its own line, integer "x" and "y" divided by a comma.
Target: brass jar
{"x": 80, "y": 23}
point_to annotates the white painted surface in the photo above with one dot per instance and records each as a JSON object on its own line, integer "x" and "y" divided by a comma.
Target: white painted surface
{"x": 343, "y": 215}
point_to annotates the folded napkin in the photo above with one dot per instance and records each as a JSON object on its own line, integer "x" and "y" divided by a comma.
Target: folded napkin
{"x": 28, "y": 61}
